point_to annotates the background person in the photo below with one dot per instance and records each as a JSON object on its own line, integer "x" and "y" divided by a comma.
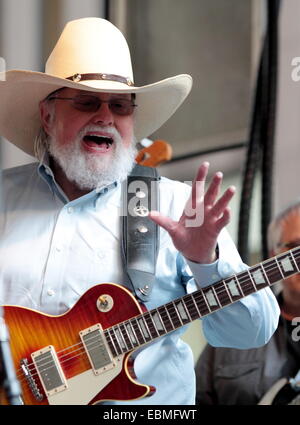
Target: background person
{"x": 230, "y": 376}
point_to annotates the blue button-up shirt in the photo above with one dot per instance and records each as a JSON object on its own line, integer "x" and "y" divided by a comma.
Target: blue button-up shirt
{"x": 53, "y": 250}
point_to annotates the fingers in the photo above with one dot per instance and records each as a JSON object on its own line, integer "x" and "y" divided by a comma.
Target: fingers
{"x": 198, "y": 184}
{"x": 224, "y": 220}
{"x": 220, "y": 206}
{"x": 202, "y": 172}
{"x": 165, "y": 222}
{"x": 209, "y": 198}
{"x": 213, "y": 189}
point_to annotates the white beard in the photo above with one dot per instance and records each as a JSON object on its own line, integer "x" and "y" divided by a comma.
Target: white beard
{"x": 90, "y": 172}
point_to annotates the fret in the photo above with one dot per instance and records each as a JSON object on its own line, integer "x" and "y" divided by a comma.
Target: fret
{"x": 138, "y": 331}
{"x": 286, "y": 264}
{"x": 158, "y": 323}
{"x": 202, "y": 306}
{"x": 191, "y": 307}
{"x": 151, "y": 325}
{"x": 208, "y": 298}
{"x": 120, "y": 338}
{"x": 265, "y": 274}
{"x": 216, "y": 296}
{"x": 184, "y": 315}
{"x": 223, "y": 293}
{"x": 110, "y": 343}
{"x": 245, "y": 283}
{"x": 272, "y": 270}
{"x": 144, "y": 328}
{"x": 167, "y": 319}
{"x": 174, "y": 315}
{"x": 125, "y": 336}
{"x": 279, "y": 268}
{"x": 177, "y": 313}
{"x": 234, "y": 288}
{"x": 251, "y": 280}
{"x": 259, "y": 277}
{"x": 117, "y": 346}
{"x": 295, "y": 253}
{"x": 195, "y": 304}
{"x": 132, "y": 334}
{"x": 294, "y": 260}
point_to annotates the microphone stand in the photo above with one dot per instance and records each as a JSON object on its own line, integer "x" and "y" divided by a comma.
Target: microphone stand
{"x": 8, "y": 379}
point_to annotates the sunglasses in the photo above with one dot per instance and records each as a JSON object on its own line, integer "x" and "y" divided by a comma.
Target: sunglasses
{"x": 290, "y": 245}
{"x": 90, "y": 103}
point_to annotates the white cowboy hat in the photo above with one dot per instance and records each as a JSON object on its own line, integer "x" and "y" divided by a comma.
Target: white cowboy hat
{"x": 91, "y": 54}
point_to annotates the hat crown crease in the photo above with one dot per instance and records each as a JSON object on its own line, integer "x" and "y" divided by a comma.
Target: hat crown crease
{"x": 90, "y": 46}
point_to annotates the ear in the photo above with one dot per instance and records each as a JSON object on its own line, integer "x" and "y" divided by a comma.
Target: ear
{"x": 45, "y": 117}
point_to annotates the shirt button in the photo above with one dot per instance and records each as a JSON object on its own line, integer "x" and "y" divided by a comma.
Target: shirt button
{"x": 226, "y": 268}
{"x": 50, "y": 292}
{"x": 101, "y": 255}
{"x": 58, "y": 248}
{"x": 70, "y": 210}
{"x": 215, "y": 276}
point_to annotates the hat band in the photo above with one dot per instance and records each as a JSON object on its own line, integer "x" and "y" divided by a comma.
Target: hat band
{"x": 109, "y": 77}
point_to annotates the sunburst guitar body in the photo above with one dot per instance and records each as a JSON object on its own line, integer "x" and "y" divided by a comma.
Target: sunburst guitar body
{"x": 84, "y": 355}
{"x": 69, "y": 359}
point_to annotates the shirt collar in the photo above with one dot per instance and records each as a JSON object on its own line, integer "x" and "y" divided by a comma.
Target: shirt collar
{"x": 47, "y": 175}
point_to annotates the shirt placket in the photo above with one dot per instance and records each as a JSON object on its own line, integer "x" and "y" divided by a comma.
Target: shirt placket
{"x": 57, "y": 259}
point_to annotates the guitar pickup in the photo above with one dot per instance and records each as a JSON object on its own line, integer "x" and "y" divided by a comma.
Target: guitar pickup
{"x": 49, "y": 370}
{"x": 97, "y": 349}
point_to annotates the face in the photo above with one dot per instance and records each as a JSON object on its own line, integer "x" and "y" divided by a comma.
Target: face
{"x": 290, "y": 235}
{"x": 91, "y": 147}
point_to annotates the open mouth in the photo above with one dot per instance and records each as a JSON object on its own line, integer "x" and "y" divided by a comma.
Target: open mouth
{"x": 94, "y": 141}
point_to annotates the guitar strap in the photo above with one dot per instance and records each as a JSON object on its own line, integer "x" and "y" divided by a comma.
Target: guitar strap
{"x": 140, "y": 235}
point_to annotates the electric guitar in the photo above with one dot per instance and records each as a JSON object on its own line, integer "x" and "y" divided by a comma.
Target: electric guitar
{"x": 157, "y": 153}
{"x": 84, "y": 355}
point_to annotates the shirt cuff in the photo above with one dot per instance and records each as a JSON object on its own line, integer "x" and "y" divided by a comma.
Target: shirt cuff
{"x": 204, "y": 274}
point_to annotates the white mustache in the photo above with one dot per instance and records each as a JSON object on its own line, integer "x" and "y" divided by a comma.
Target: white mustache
{"x": 111, "y": 131}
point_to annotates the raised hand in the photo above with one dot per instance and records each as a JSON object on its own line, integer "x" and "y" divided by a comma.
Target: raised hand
{"x": 195, "y": 235}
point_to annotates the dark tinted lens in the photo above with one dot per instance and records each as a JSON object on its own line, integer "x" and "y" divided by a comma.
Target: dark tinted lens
{"x": 86, "y": 103}
{"x": 292, "y": 244}
{"x": 121, "y": 106}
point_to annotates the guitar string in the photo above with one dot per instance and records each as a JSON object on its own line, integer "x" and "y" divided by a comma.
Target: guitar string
{"x": 200, "y": 305}
{"x": 94, "y": 346}
{"x": 247, "y": 280}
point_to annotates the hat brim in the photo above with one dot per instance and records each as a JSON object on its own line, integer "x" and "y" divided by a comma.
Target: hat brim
{"x": 21, "y": 92}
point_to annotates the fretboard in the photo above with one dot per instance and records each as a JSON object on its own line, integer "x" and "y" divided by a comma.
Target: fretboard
{"x": 146, "y": 327}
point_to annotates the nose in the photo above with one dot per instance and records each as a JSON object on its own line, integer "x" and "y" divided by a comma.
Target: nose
{"x": 103, "y": 116}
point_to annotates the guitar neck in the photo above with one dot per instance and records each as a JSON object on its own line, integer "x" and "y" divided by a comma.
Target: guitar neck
{"x": 146, "y": 327}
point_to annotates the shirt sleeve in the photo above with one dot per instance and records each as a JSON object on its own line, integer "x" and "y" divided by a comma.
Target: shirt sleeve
{"x": 247, "y": 323}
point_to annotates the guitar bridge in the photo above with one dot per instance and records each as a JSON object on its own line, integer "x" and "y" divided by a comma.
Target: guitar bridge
{"x": 97, "y": 349}
{"x": 30, "y": 380}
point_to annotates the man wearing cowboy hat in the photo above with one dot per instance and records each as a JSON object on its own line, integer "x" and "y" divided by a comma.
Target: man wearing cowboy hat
{"x": 60, "y": 230}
